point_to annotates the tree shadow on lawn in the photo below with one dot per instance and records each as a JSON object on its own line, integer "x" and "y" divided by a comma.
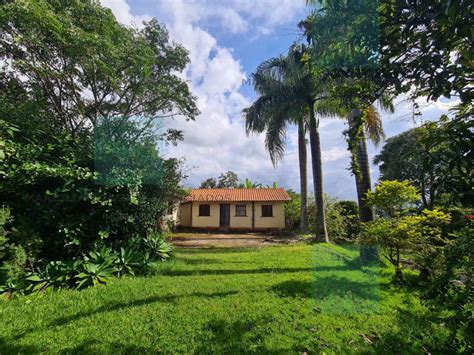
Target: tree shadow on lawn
{"x": 107, "y": 347}
{"x": 329, "y": 286}
{"x": 111, "y": 307}
{"x": 222, "y": 336}
{"x": 6, "y": 347}
{"x": 205, "y": 272}
{"x": 218, "y": 336}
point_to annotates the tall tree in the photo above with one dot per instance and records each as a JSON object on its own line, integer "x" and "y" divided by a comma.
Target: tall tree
{"x": 371, "y": 129}
{"x": 288, "y": 92}
{"x": 435, "y": 157}
{"x": 272, "y": 112}
{"x": 209, "y": 183}
{"x": 229, "y": 179}
{"x": 90, "y": 68}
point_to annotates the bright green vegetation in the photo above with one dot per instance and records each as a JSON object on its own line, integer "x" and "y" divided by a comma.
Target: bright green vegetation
{"x": 266, "y": 300}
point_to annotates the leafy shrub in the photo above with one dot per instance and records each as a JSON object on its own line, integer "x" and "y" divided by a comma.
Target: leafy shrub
{"x": 4, "y": 218}
{"x": 453, "y": 288}
{"x": 293, "y": 211}
{"x": 15, "y": 265}
{"x": 342, "y": 220}
{"x": 54, "y": 275}
{"x": 418, "y": 235}
{"x": 71, "y": 173}
{"x": 350, "y": 212}
{"x": 93, "y": 268}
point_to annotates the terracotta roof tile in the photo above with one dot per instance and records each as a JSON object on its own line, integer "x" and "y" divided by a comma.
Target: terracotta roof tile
{"x": 238, "y": 195}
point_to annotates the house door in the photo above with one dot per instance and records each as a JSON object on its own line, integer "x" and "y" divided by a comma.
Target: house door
{"x": 224, "y": 219}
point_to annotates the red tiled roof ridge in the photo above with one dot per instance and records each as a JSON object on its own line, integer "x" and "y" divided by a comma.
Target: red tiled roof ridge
{"x": 238, "y": 194}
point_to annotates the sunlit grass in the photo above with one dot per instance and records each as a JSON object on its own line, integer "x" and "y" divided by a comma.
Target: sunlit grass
{"x": 264, "y": 300}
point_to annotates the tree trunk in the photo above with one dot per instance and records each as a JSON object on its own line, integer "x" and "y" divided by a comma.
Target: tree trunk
{"x": 302, "y": 155}
{"x": 367, "y": 253}
{"x": 321, "y": 231}
{"x": 363, "y": 182}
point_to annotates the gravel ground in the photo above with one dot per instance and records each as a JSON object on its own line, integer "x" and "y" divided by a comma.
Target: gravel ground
{"x": 206, "y": 240}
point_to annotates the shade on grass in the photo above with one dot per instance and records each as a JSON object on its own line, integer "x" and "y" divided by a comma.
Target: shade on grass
{"x": 266, "y": 300}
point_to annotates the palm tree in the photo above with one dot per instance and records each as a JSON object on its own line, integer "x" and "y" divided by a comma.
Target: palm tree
{"x": 373, "y": 130}
{"x": 288, "y": 94}
{"x": 271, "y": 113}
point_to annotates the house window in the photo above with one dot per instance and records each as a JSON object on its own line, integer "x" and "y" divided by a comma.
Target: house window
{"x": 204, "y": 210}
{"x": 241, "y": 210}
{"x": 267, "y": 211}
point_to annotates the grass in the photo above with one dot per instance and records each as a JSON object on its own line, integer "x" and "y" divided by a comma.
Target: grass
{"x": 282, "y": 299}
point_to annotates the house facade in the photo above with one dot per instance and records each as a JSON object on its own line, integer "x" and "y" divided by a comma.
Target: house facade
{"x": 242, "y": 209}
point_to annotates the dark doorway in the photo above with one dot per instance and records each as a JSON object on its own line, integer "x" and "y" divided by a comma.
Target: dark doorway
{"x": 224, "y": 219}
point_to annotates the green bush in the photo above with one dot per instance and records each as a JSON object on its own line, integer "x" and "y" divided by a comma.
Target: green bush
{"x": 453, "y": 288}
{"x": 342, "y": 220}
{"x": 93, "y": 268}
{"x": 81, "y": 167}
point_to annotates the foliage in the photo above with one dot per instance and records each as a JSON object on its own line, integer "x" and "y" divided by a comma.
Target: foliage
{"x": 5, "y": 217}
{"x": 209, "y": 183}
{"x": 325, "y": 285}
{"x": 89, "y": 66}
{"x": 230, "y": 179}
{"x": 350, "y": 212}
{"x": 435, "y": 158}
{"x": 80, "y": 95}
{"x": 93, "y": 274}
{"x": 370, "y": 47}
{"x": 418, "y": 235}
{"x": 227, "y": 179}
{"x": 251, "y": 185}
{"x": 158, "y": 248}
{"x": 393, "y": 198}
{"x": 342, "y": 219}
{"x": 91, "y": 269}
{"x": 293, "y": 211}
{"x": 54, "y": 275}
{"x": 17, "y": 262}
{"x": 453, "y": 288}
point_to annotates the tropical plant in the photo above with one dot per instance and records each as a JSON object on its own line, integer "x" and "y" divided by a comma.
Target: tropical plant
{"x": 288, "y": 95}
{"x": 157, "y": 246}
{"x": 103, "y": 255}
{"x": 54, "y": 275}
{"x": 251, "y": 185}
{"x": 128, "y": 259}
{"x": 94, "y": 274}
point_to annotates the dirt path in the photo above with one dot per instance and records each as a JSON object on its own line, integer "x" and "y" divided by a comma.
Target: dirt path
{"x": 205, "y": 240}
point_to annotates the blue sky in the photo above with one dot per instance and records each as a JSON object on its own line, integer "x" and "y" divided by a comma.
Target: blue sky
{"x": 227, "y": 40}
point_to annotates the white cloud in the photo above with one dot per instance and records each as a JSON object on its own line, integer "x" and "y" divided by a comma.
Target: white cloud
{"x": 122, "y": 13}
{"x": 237, "y": 17}
{"x": 334, "y": 153}
{"x": 216, "y": 141}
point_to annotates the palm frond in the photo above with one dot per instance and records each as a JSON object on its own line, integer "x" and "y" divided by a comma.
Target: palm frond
{"x": 373, "y": 125}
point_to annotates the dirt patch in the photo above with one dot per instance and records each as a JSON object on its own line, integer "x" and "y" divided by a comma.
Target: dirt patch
{"x": 205, "y": 240}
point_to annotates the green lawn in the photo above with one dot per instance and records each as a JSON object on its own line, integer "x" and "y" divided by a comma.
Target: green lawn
{"x": 267, "y": 300}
